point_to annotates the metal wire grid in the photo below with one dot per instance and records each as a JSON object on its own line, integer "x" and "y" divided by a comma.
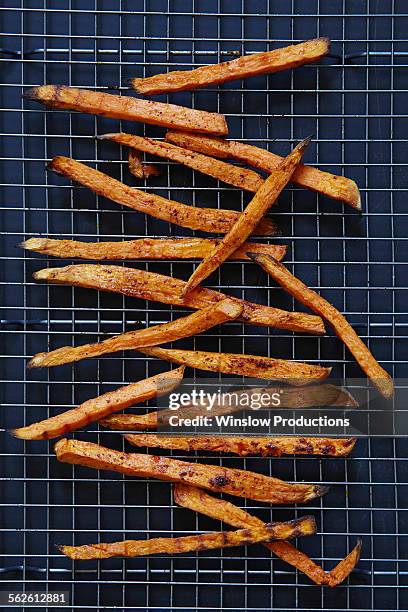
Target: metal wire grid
{"x": 354, "y": 104}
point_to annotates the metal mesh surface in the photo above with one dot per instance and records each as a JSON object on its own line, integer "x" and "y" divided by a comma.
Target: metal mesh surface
{"x": 354, "y": 102}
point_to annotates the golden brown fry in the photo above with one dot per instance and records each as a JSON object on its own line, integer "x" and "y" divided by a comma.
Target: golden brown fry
{"x": 133, "y": 422}
{"x": 292, "y": 372}
{"x": 233, "y": 175}
{"x": 249, "y": 219}
{"x": 265, "y": 446}
{"x": 204, "y": 541}
{"x": 138, "y": 168}
{"x": 380, "y": 378}
{"x": 145, "y": 248}
{"x": 205, "y": 219}
{"x": 128, "y": 109}
{"x": 220, "y": 479}
{"x": 199, "y": 501}
{"x": 165, "y": 289}
{"x": 183, "y": 327}
{"x": 100, "y": 407}
{"x": 330, "y": 185}
{"x": 245, "y": 66}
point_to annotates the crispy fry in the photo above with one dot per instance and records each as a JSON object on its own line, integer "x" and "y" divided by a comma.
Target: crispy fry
{"x": 99, "y": 407}
{"x": 249, "y": 219}
{"x": 265, "y": 446}
{"x": 380, "y": 378}
{"x": 199, "y": 501}
{"x": 292, "y": 372}
{"x": 204, "y": 541}
{"x": 183, "y": 327}
{"x": 145, "y": 248}
{"x": 138, "y": 168}
{"x": 330, "y": 185}
{"x": 220, "y": 479}
{"x": 245, "y": 66}
{"x": 165, "y": 289}
{"x": 233, "y": 175}
{"x": 134, "y": 422}
{"x": 128, "y": 109}
{"x": 205, "y": 219}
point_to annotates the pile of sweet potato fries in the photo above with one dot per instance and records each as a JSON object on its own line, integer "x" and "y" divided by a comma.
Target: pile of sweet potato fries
{"x": 196, "y": 139}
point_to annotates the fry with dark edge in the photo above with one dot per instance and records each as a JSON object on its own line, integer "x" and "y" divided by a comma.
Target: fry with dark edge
{"x": 184, "y": 327}
{"x": 233, "y": 175}
{"x": 213, "y": 220}
{"x": 199, "y": 501}
{"x": 99, "y": 407}
{"x": 145, "y": 248}
{"x": 251, "y": 216}
{"x": 138, "y": 168}
{"x": 165, "y": 289}
{"x": 245, "y": 66}
{"x": 264, "y": 446}
{"x": 128, "y": 109}
{"x": 241, "y": 483}
{"x": 304, "y": 526}
{"x": 330, "y": 185}
{"x": 294, "y": 373}
{"x": 370, "y": 366}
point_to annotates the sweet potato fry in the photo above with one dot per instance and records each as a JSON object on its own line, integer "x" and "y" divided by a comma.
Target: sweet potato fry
{"x": 204, "y": 541}
{"x": 199, "y": 501}
{"x": 330, "y": 185}
{"x": 379, "y": 377}
{"x": 249, "y": 219}
{"x": 265, "y": 446}
{"x": 245, "y": 66}
{"x": 128, "y": 109}
{"x": 99, "y": 407}
{"x": 165, "y": 289}
{"x": 227, "y": 173}
{"x": 205, "y": 219}
{"x": 145, "y": 248}
{"x": 220, "y": 479}
{"x": 138, "y": 168}
{"x": 183, "y": 327}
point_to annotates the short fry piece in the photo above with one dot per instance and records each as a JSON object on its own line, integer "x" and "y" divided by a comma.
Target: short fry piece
{"x": 128, "y": 109}
{"x": 249, "y": 219}
{"x": 330, "y": 185}
{"x": 165, "y": 289}
{"x": 100, "y": 407}
{"x": 292, "y": 372}
{"x": 233, "y": 175}
{"x": 379, "y": 377}
{"x": 138, "y": 168}
{"x": 220, "y": 479}
{"x": 245, "y": 66}
{"x": 145, "y": 248}
{"x": 205, "y": 219}
{"x": 203, "y": 541}
{"x": 199, "y": 501}
{"x": 183, "y": 327}
{"x": 265, "y": 446}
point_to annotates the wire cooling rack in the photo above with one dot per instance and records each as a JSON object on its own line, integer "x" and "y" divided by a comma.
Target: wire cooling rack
{"x": 354, "y": 102}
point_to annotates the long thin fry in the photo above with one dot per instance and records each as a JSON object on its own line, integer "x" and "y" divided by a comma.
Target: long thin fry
{"x": 330, "y": 185}
{"x": 240, "y": 68}
{"x": 380, "y": 378}
{"x": 157, "y": 287}
{"x": 145, "y": 248}
{"x": 249, "y": 219}
{"x": 138, "y": 168}
{"x": 205, "y": 219}
{"x": 220, "y": 479}
{"x": 204, "y": 541}
{"x": 183, "y": 327}
{"x": 199, "y": 501}
{"x": 128, "y": 109}
{"x": 292, "y": 372}
{"x": 233, "y": 175}
{"x": 265, "y": 446}
{"x": 100, "y": 407}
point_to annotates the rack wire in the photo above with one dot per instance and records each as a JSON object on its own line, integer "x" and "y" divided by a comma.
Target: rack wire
{"x": 354, "y": 103}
